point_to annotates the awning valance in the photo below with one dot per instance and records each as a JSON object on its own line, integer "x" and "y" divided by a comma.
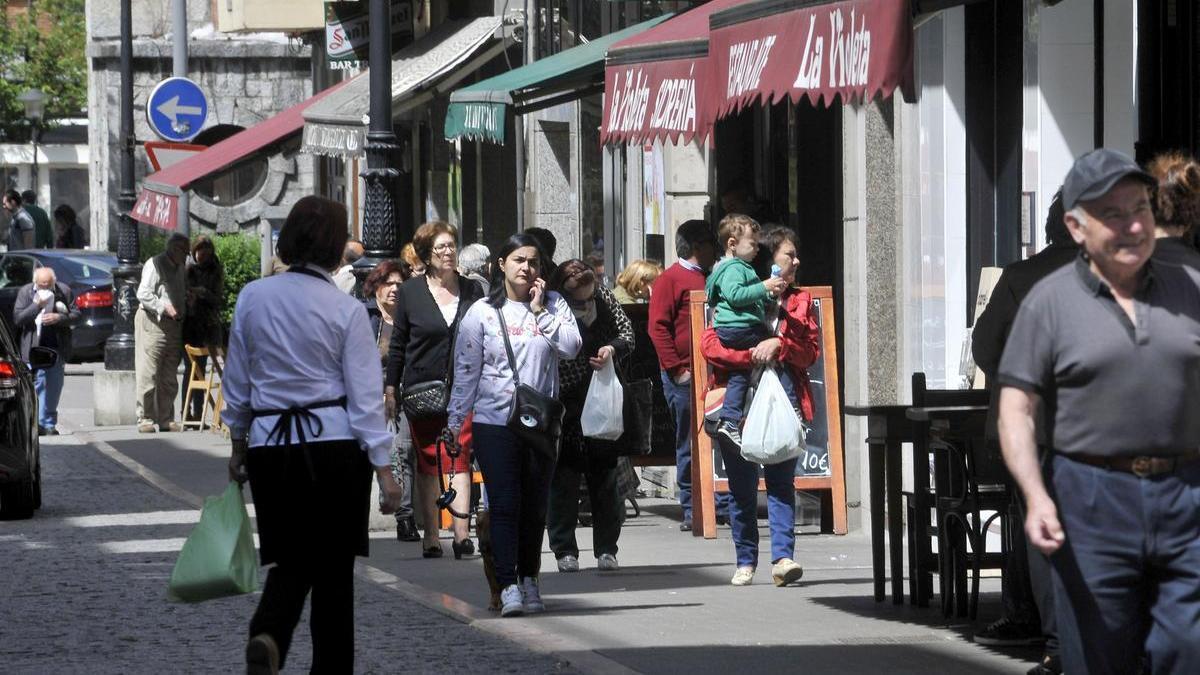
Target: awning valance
{"x": 769, "y": 49}
{"x": 158, "y": 203}
{"x": 479, "y": 111}
{"x": 657, "y": 83}
{"x": 431, "y": 65}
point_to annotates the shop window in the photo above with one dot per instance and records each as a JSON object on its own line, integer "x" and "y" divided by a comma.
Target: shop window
{"x": 70, "y": 187}
{"x": 234, "y": 184}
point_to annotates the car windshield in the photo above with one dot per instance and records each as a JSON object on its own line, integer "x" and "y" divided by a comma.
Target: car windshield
{"x": 89, "y": 268}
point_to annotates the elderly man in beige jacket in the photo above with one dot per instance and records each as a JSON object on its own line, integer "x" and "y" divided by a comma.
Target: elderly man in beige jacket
{"x": 158, "y": 328}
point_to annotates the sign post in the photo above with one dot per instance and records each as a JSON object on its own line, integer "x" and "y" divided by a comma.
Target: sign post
{"x": 177, "y": 109}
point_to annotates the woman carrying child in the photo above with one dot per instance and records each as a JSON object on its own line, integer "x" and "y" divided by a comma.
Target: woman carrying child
{"x": 791, "y": 340}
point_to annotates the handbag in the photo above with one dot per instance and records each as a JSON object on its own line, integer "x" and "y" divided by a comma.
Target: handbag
{"x": 535, "y": 418}
{"x": 425, "y": 400}
{"x": 638, "y": 413}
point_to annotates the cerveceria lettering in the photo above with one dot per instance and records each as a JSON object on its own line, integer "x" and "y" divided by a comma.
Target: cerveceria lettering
{"x": 746, "y": 63}
{"x": 849, "y": 54}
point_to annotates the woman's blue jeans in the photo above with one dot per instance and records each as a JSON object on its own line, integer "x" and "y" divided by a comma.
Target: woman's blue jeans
{"x": 518, "y": 489}
{"x": 743, "y": 508}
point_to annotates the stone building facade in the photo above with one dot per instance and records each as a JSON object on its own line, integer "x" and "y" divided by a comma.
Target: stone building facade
{"x": 247, "y": 78}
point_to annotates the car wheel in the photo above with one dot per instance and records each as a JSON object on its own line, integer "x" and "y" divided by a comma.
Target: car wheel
{"x": 37, "y": 486}
{"x": 17, "y": 500}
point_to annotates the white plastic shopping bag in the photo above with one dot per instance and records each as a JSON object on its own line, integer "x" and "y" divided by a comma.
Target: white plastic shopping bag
{"x": 773, "y": 432}
{"x": 602, "y": 416}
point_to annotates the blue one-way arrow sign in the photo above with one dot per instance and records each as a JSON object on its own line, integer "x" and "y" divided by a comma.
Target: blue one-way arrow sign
{"x": 177, "y": 109}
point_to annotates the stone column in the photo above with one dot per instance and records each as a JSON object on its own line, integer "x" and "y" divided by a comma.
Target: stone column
{"x": 873, "y": 243}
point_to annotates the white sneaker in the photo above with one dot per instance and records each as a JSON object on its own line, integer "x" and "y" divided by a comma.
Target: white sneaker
{"x": 786, "y": 571}
{"x": 511, "y": 601}
{"x": 744, "y": 576}
{"x": 533, "y": 596}
{"x": 607, "y": 562}
{"x": 568, "y": 563}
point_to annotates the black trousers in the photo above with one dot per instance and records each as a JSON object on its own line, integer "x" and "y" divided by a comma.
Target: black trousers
{"x": 1029, "y": 569}
{"x": 563, "y": 513}
{"x": 312, "y": 507}
{"x": 518, "y": 488}
{"x": 331, "y": 581}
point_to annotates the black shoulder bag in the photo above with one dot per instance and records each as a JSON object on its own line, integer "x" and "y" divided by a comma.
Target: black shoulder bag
{"x": 426, "y": 400}
{"x": 535, "y": 418}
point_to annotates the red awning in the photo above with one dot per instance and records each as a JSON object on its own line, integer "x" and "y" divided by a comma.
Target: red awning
{"x": 656, "y": 83}
{"x": 855, "y": 49}
{"x": 158, "y": 203}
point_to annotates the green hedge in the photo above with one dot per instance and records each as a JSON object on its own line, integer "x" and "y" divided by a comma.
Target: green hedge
{"x": 239, "y": 253}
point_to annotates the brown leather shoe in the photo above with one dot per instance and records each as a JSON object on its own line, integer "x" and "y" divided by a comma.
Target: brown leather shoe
{"x": 262, "y": 655}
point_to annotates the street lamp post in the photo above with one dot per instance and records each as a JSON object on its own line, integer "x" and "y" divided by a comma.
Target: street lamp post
{"x": 380, "y": 232}
{"x": 119, "y": 350}
{"x": 34, "y": 101}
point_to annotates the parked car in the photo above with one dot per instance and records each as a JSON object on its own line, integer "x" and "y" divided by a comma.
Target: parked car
{"x": 20, "y": 453}
{"x": 89, "y": 276}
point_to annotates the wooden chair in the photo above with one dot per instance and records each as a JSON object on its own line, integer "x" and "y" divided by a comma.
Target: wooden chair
{"x": 922, "y": 501}
{"x": 971, "y": 484}
{"x": 215, "y": 377}
{"x": 199, "y": 381}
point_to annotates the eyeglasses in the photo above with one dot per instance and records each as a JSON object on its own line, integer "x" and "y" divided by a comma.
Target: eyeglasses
{"x": 442, "y": 248}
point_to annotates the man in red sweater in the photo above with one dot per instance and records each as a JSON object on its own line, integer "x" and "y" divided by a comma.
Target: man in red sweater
{"x": 670, "y": 331}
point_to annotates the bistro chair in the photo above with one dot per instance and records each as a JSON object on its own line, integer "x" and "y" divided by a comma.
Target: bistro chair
{"x": 971, "y": 484}
{"x": 924, "y": 520}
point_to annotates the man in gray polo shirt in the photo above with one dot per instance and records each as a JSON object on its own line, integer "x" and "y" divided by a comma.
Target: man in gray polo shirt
{"x": 1111, "y": 345}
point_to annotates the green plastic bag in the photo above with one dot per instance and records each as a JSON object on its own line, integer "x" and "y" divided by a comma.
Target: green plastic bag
{"x": 218, "y": 559}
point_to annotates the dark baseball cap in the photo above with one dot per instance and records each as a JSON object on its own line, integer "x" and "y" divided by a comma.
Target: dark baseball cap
{"x": 1096, "y": 172}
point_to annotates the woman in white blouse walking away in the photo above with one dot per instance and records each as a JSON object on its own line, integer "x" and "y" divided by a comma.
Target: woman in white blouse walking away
{"x": 488, "y": 368}
{"x": 303, "y": 405}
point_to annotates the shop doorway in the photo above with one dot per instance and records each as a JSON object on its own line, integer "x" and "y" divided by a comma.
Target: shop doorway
{"x": 783, "y": 164}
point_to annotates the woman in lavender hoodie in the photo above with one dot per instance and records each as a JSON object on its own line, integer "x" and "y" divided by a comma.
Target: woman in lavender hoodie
{"x": 542, "y": 330}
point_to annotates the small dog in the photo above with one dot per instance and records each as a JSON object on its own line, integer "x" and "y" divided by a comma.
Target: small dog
{"x": 483, "y": 528}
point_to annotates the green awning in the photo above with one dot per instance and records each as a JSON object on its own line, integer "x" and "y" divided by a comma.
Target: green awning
{"x": 479, "y": 111}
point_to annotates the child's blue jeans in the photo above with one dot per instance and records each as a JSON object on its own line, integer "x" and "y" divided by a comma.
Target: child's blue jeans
{"x": 746, "y": 337}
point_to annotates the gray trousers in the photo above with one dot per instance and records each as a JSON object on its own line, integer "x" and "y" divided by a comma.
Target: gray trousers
{"x": 403, "y": 458}
{"x": 159, "y": 346}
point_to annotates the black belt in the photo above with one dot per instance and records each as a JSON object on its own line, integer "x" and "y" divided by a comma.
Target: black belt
{"x": 1142, "y": 467}
{"x": 297, "y": 417}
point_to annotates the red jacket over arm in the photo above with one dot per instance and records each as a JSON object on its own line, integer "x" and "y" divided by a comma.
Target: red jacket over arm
{"x": 800, "y": 347}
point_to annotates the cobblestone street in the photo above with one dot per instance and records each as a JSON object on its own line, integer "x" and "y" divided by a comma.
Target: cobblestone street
{"x": 86, "y": 582}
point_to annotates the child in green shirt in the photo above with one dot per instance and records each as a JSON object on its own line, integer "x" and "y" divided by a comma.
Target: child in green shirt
{"x": 739, "y": 299}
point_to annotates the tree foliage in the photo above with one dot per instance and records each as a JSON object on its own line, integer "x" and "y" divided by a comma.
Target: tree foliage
{"x": 43, "y": 49}
{"x": 239, "y": 253}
